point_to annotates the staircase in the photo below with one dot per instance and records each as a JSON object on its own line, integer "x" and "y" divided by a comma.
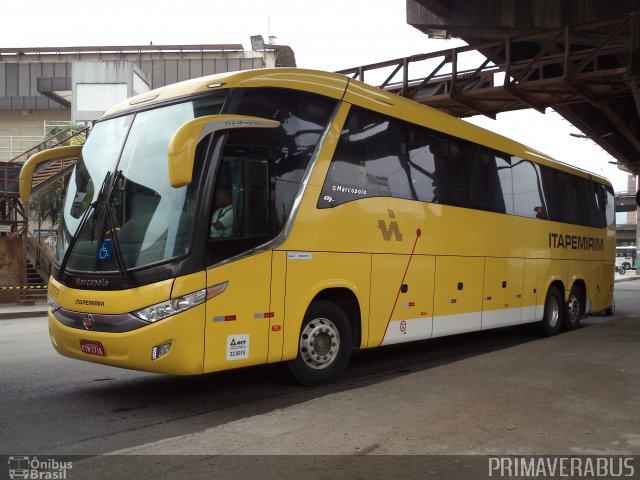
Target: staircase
{"x": 37, "y": 286}
{"x": 14, "y": 218}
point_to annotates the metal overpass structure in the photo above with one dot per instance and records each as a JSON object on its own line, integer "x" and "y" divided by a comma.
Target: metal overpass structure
{"x": 599, "y": 91}
{"x": 588, "y": 72}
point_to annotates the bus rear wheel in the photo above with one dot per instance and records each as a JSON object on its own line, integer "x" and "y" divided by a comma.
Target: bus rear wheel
{"x": 574, "y": 309}
{"x": 324, "y": 345}
{"x": 552, "y": 319}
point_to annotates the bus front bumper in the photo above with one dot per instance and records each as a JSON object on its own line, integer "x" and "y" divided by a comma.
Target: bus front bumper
{"x": 142, "y": 349}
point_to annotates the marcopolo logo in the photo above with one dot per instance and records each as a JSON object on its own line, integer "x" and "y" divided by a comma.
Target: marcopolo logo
{"x": 38, "y": 469}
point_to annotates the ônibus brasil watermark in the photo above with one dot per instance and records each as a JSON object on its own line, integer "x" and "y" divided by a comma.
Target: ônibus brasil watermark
{"x": 33, "y": 468}
{"x": 561, "y": 467}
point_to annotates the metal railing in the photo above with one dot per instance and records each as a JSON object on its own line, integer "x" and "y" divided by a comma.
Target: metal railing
{"x": 10, "y": 146}
{"x": 49, "y": 125}
{"x": 56, "y": 140}
{"x": 572, "y": 62}
{"x": 41, "y": 256}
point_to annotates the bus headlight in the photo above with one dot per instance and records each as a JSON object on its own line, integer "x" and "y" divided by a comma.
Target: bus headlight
{"x": 163, "y": 310}
{"x": 51, "y": 303}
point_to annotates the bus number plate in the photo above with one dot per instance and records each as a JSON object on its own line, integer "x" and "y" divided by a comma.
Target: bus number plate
{"x": 92, "y": 348}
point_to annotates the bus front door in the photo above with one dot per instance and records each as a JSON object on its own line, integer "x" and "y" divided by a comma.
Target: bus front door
{"x": 237, "y": 323}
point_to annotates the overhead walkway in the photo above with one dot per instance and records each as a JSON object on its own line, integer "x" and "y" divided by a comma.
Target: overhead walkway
{"x": 576, "y": 68}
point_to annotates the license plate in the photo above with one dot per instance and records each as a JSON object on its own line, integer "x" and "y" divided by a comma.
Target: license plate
{"x": 92, "y": 348}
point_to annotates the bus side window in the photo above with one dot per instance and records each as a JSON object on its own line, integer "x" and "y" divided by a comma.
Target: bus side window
{"x": 451, "y": 178}
{"x": 503, "y": 166}
{"x": 528, "y": 197}
{"x": 422, "y": 166}
{"x": 485, "y": 184}
{"x": 370, "y": 161}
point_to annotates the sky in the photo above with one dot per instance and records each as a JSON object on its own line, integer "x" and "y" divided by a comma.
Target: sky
{"x": 326, "y": 35}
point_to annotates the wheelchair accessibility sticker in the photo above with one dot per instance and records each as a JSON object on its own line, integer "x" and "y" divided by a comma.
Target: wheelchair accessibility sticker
{"x": 104, "y": 252}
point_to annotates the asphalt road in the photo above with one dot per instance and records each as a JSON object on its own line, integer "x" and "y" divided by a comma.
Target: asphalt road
{"x": 53, "y": 405}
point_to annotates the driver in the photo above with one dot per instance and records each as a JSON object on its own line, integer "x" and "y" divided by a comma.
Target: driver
{"x": 222, "y": 219}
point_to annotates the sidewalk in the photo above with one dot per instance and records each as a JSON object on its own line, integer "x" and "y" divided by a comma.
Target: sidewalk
{"x": 11, "y": 311}
{"x": 630, "y": 275}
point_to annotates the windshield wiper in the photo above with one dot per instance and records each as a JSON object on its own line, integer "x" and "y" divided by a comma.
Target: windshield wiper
{"x": 102, "y": 201}
{"x": 74, "y": 238}
{"x": 111, "y": 225}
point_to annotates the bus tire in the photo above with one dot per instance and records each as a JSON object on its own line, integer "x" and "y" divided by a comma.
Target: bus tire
{"x": 324, "y": 345}
{"x": 553, "y": 308}
{"x": 574, "y": 309}
{"x": 610, "y": 311}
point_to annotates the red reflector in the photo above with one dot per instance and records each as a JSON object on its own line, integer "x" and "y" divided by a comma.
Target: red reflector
{"x": 269, "y": 315}
{"x": 229, "y": 318}
{"x": 412, "y": 304}
{"x": 276, "y": 328}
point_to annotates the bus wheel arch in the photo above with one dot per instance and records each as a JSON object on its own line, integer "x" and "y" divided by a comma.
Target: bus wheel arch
{"x": 348, "y": 303}
{"x": 575, "y": 306}
{"x": 551, "y": 322}
{"x": 325, "y": 343}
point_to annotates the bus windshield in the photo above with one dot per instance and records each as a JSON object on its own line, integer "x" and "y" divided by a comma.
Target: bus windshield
{"x": 121, "y": 212}
{"x": 119, "y": 193}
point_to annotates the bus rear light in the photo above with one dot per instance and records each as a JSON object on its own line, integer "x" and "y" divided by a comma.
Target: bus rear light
{"x": 160, "y": 351}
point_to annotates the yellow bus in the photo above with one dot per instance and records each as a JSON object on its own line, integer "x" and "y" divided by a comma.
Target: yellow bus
{"x": 290, "y": 215}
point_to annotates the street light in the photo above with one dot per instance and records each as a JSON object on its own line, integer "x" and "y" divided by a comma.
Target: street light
{"x": 257, "y": 42}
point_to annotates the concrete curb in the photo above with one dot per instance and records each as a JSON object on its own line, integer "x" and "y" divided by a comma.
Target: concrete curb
{"x": 627, "y": 279}
{"x": 18, "y": 315}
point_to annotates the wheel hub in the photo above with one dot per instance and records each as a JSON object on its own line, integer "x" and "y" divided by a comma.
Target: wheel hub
{"x": 574, "y": 309}
{"x": 319, "y": 343}
{"x": 554, "y": 314}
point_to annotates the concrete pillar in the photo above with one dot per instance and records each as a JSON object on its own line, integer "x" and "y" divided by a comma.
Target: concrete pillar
{"x": 638, "y": 241}
{"x": 632, "y": 217}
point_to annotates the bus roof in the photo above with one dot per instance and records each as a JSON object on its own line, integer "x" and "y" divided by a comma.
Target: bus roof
{"x": 341, "y": 87}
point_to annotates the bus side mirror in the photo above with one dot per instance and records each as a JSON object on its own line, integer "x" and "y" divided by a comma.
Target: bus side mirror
{"x": 182, "y": 146}
{"x": 29, "y": 167}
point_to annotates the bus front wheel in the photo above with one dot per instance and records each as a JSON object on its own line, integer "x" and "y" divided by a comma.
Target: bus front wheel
{"x": 324, "y": 345}
{"x": 553, "y": 309}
